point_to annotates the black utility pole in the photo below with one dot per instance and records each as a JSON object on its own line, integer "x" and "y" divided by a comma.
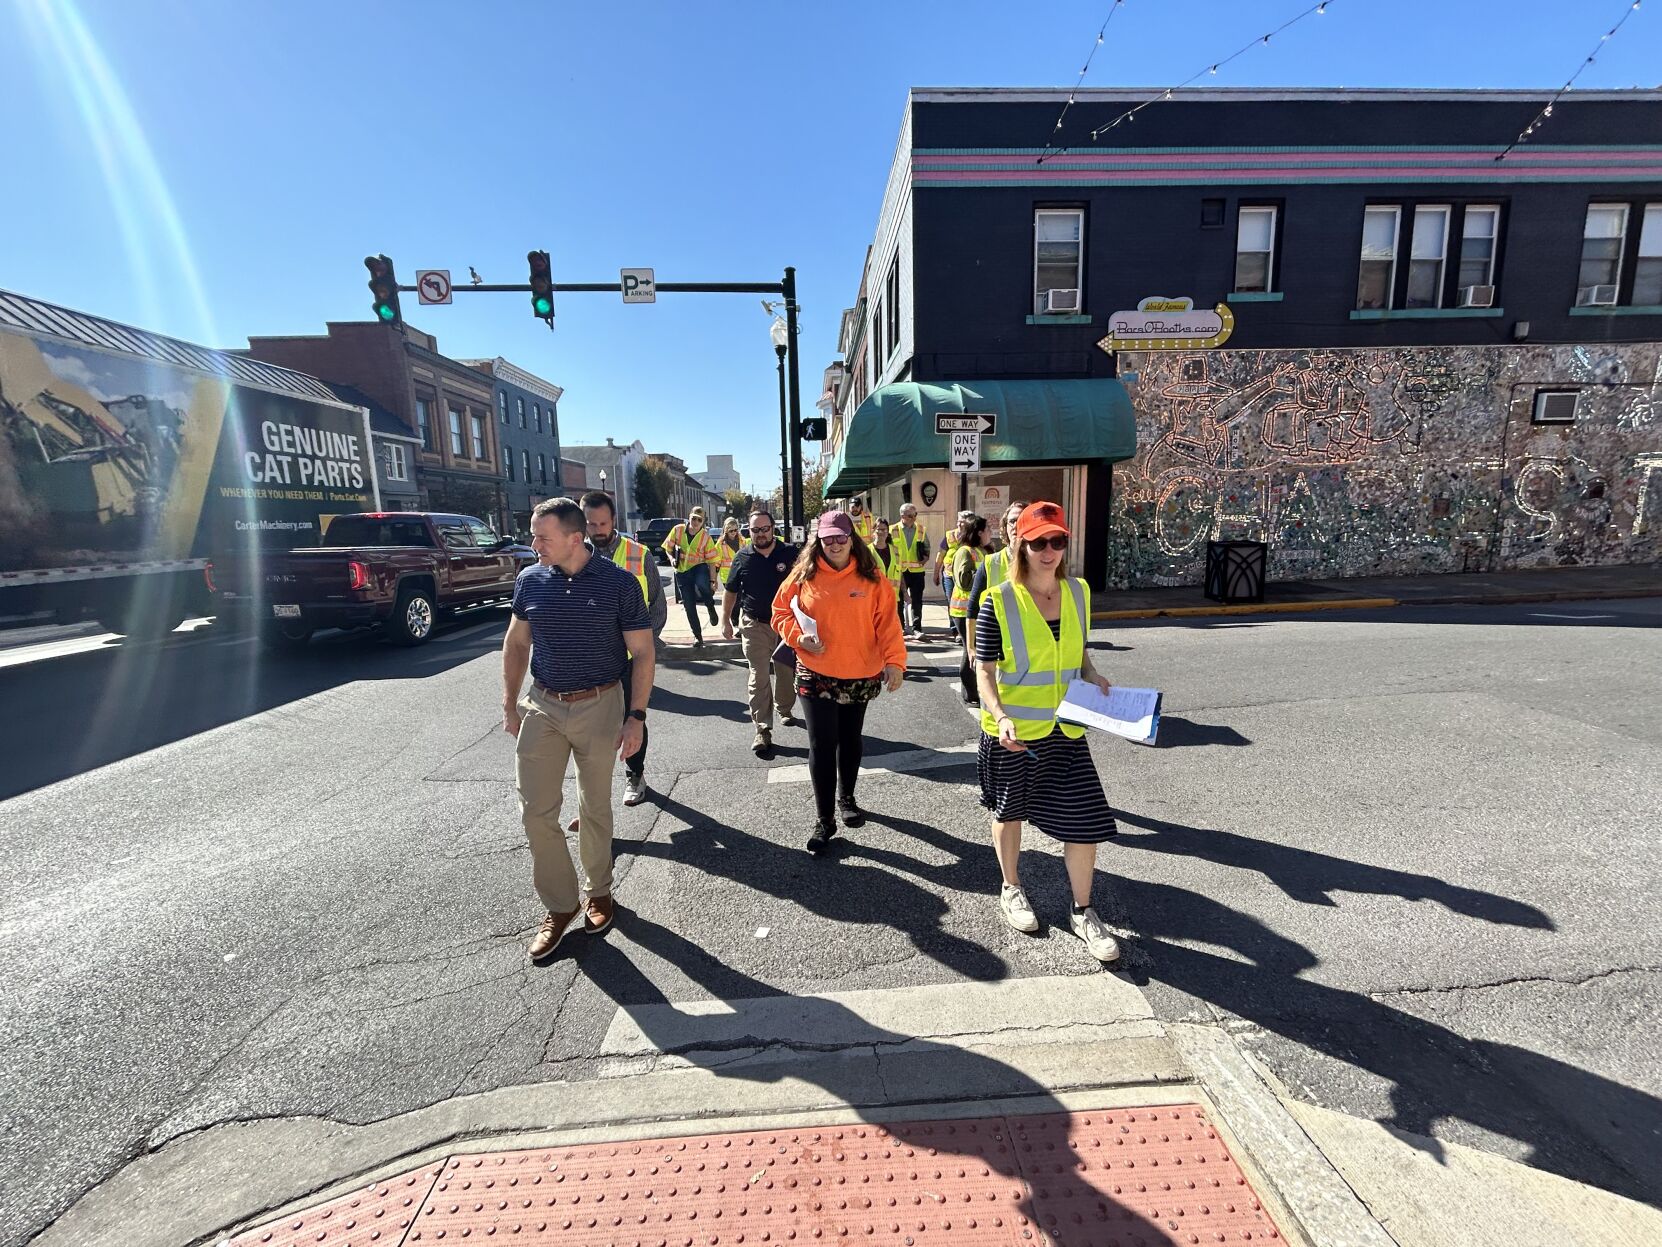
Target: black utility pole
{"x": 795, "y": 397}
{"x": 784, "y": 447}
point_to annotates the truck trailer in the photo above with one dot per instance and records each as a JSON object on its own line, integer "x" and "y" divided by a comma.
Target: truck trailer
{"x": 129, "y": 461}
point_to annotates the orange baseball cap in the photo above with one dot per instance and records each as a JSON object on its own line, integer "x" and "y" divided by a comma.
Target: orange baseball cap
{"x": 1041, "y": 519}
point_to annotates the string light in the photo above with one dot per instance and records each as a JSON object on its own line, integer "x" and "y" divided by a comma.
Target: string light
{"x": 1130, "y": 114}
{"x": 1546, "y": 112}
{"x": 1101, "y": 34}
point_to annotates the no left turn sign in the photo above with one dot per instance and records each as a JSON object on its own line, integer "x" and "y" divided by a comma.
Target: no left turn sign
{"x": 433, "y": 285}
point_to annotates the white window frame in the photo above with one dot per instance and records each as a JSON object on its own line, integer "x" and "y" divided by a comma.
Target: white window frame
{"x": 1441, "y": 258}
{"x": 502, "y": 404}
{"x": 1535, "y": 416}
{"x": 457, "y": 441}
{"x": 525, "y": 465}
{"x": 520, "y": 404}
{"x": 1621, "y": 244}
{"x": 1650, "y": 228}
{"x": 1079, "y": 264}
{"x": 1493, "y": 211}
{"x": 1396, "y": 246}
{"x": 476, "y": 427}
{"x": 1269, "y": 267}
{"x": 398, "y": 462}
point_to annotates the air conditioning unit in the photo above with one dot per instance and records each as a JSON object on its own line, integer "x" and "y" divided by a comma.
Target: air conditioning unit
{"x": 1477, "y": 296}
{"x": 1066, "y": 301}
{"x": 1596, "y": 296}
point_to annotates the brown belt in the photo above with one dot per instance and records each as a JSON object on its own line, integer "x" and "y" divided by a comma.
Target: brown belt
{"x": 582, "y": 694}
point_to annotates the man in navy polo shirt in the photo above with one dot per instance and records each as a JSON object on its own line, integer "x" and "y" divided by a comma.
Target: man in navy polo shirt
{"x": 577, "y": 619}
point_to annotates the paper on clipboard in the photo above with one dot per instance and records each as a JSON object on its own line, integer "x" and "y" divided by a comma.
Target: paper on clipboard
{"x": 805, "y": 621}
{"x": 1133, "y": 713}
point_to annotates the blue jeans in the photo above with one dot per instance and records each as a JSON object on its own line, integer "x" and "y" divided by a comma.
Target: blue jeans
{"x": 694, "y": 587}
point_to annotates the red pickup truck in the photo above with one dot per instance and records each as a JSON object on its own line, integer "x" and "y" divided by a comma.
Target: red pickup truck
{"x": 396, "y": 569}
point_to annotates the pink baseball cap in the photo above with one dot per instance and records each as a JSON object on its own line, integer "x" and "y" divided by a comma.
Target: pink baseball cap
{"x": 835, "y": 524}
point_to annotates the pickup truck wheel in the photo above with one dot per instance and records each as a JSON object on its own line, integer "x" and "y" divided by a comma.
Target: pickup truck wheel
{"x": 412, "y": 619}
{"x": 284, "y": 636}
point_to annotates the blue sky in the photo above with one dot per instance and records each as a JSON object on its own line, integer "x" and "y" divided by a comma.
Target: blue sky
{"x": 214, "y": 170}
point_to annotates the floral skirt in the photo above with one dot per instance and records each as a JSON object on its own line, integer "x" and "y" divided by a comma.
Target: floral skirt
{"x": 830, "y": 688}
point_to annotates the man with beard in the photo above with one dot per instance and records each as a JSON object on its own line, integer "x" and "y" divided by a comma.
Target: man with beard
{"x": 758, "y": 571}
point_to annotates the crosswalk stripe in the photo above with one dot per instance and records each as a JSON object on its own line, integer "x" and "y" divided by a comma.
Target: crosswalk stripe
{"x": 884, "y": 764}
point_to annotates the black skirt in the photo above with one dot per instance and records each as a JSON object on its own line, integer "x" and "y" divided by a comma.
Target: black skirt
{"x": 1054, "y": 786}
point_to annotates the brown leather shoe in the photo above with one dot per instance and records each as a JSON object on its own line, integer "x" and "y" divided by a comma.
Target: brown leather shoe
{"x": 547, "y": 939}
{"x": 598, "y": 914}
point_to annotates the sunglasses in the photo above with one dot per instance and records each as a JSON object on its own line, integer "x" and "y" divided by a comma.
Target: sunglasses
{"x": 833, "y": 541}
{"x": 1042, "y": 544}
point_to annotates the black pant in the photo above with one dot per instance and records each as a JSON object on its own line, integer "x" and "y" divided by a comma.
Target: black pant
{"x": 966, "y": 673}
{"x": 694, "y": 584}
{"x": 834, "y": 749}
{"x": 911, "y": 584}
{"x": 635, "y": 763}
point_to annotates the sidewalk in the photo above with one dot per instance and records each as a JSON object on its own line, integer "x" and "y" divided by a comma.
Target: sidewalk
{"x": 1037, "y": 1112}
{"x": 1368, "y": 592}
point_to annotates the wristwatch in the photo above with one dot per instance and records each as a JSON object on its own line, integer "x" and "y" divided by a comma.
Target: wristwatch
{"x": 638, "y": 714}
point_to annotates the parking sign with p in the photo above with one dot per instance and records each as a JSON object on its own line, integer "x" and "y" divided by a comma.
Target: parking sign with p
{"x": 639, "y": 285}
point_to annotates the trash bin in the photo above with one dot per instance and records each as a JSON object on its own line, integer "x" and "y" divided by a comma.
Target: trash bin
{"x": 1235, "y": 570}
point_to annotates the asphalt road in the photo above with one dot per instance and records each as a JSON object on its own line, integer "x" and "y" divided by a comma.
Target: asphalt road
{"x": 1409, "y": 858}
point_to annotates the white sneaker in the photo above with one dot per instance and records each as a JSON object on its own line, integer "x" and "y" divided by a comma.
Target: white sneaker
{"x": 634, "y": 789}
{"x": 1017, "y": 912}
{"x": 1088, "y": 927}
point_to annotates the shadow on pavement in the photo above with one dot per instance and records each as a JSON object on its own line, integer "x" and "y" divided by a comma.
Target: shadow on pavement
{"x": 1177, "y": 732}
{"x": 89, "y": 709}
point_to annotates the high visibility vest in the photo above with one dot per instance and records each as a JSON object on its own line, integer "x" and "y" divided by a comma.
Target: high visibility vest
{"x": 725, "y": 554}
{"x": 633, "y": 558}
{"x": 1033, "y": 675}
{"x": 689, "y": 551}
{"x": 864, "y": 525}
{"x": 891, "y": 569}
{"x": 998, "y": 568}
{"x": 951, "y": 549}
{"x": 911, "y": 553}
{"x": 958, "y": 604}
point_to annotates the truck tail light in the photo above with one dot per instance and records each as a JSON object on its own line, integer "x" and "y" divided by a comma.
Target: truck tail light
{"x": 357, "y": 575}
{"x": 208, "y": 576}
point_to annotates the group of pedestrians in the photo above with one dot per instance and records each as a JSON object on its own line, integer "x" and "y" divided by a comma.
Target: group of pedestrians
{"x": 824, "y": 634}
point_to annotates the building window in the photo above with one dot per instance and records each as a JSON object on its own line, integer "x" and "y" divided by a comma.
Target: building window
{"x": 1426, "y": 252}
{"x": 525, "y": 463}
{"x": 536, "y": 417}
{"x": 520, "y": 403}
{"x": 502, "y": 405}
{"x": 508, "y": 463}
{"x": 1058, "y": 260}
{"x": 1602, "y": 238}
{"x": 395, "y": 462}
{"x": 1379, "y": 256}
{"x": 478, "y": 437}
{"x": 456, "y": 451}
{"x": 1555, "y": 406}
{"x": 424, "y": 425}
{"x": 1255, "y": 249}
{"x": 1211, "y": 214}
{"x": 1479, "y": 231}
{"x": 893, "y": 300}
{"x": 542, "y": 468}
{"x": 1647, "y": 272}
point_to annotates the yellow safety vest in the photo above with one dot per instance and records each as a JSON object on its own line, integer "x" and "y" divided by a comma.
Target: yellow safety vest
{"x": 689, "y": 553}
{"x": 913, "y": 553}
{"x": 998, "y": 568}
{"x": 633, "y": 558}
{"x": 958, "y": 605}
{"x": 725, "y": 554}
{"x": 1034, "y": 673}
{"x": 891, "y": 569}
{"x": 864, "y": 525}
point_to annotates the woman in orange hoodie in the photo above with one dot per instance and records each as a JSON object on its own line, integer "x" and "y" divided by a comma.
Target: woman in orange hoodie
{"x": 856, "y": 651}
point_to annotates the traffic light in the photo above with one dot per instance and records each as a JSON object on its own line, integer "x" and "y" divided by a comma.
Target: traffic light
{"x": 542, "y": 286}
{"x": 383, "y": 284}
{"x": 813, "y": 429}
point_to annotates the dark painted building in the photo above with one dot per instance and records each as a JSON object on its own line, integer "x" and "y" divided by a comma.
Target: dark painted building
{"x": 527, "y": 417}
{"x": 1405, "y": 289}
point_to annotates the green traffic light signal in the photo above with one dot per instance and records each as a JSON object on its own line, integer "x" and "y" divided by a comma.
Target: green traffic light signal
{"x": 383, "y": 284}
{"x": 384, "y": 311}
{"x": 543, "y": 305}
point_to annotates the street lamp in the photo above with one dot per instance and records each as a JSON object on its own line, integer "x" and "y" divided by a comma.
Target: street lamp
{"x": 781, "y": 336}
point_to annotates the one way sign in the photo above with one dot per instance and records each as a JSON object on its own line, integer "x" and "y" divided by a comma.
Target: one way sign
{"x": 969, "y": 422}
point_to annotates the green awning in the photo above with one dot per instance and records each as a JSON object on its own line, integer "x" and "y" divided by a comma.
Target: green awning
{"x": 1038, "y": 422}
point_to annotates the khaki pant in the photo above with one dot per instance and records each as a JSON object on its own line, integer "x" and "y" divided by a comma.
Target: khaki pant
{"x": 759, "y": 643}
{"x": 550, "y": 733}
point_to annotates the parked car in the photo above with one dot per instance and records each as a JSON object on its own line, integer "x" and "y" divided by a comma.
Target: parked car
{"x": 655, "y": 534}
{"x": 399, "y": 570}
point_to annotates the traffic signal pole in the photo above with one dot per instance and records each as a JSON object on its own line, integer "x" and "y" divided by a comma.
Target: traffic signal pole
{"x": 786, "y": 288}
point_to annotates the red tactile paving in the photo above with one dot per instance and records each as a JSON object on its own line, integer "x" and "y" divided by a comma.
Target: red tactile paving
{"x": 378, "y": 1214}
{"x": 1144, "y": 1177}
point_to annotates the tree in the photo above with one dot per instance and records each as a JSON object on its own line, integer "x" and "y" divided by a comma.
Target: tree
{"x": 652, "y": 486}
{"x": 813, "y": 492}
{"x": 737, "y": 502}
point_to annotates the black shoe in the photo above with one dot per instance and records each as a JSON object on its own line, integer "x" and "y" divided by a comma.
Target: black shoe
{"x": 821, "y": 839}
{"x": 852, "y": 814}
{"x": 698, "y": 642}
{"x": 969, "y": 698}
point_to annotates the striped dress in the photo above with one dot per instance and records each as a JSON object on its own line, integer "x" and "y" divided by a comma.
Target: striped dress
{"x": 1054, "y": 785}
